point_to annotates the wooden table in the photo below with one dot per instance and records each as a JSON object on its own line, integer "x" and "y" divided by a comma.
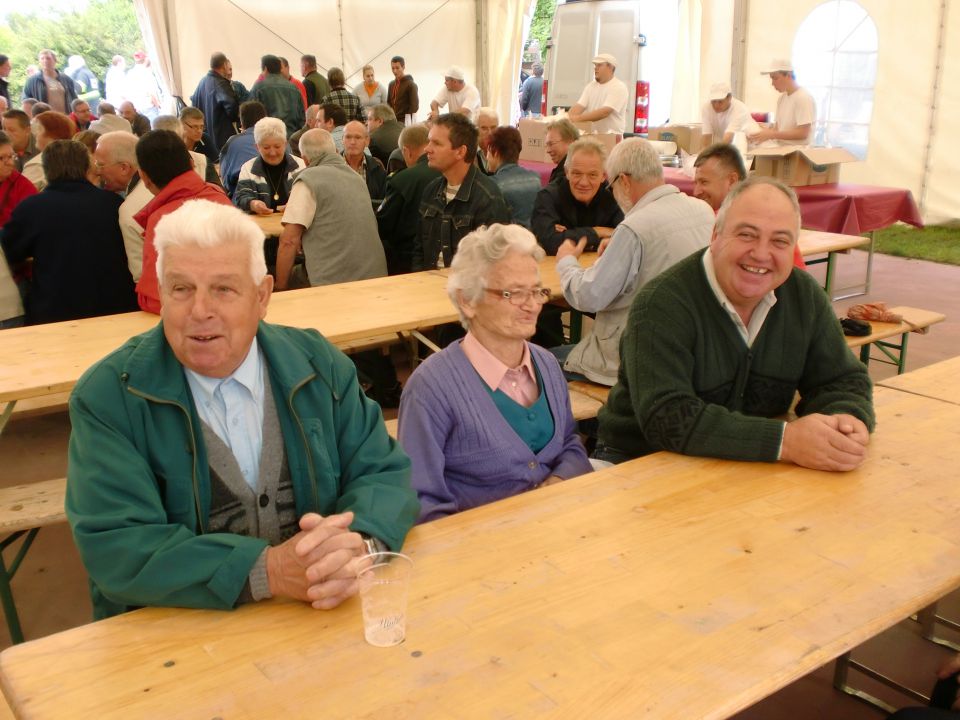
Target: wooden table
{"x": 816, "y": 242}
{"x": 938, "y": 381}
{"x": 668, "y": 587}
{"x": 270, "y": 224}
{"x": 44, "y": 360}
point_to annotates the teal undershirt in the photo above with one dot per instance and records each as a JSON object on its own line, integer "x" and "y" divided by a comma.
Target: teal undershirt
{"x": 534, "y": 424}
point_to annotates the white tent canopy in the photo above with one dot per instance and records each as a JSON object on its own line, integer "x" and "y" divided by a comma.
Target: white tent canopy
{"x": 915, "y": 100}
{"x": 430, "y": 35}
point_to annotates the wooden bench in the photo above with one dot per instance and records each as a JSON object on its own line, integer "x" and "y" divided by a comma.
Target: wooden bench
{"x": 914, "y": 320}
{"x": 24, "y": 509}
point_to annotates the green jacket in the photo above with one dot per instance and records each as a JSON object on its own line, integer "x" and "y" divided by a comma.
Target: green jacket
{"x": 138, "y": 485}
{"x": 688, "y": 383}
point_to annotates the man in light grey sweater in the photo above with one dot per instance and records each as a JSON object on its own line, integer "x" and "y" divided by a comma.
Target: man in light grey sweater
{"x": 661, "y": 227}
{"x": 330, "y": 217}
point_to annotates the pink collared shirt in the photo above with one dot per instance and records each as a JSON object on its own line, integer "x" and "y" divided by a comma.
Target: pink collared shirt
{"x": 519, "y": 383}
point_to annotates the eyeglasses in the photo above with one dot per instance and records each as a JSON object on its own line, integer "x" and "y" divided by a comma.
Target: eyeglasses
{"x": 199, "y": 128}
{"x": 519, "y": 297}
{"x": 593, "y": 177}
{"x": 100, "y": 166}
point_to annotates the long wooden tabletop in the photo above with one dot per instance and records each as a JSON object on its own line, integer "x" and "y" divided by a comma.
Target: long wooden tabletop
{"x": 43, "y": 360}
{"x": 815, "y": 242}
{"x": 270, "y": 224}
{"x": 938, "y": 381}
{"x": 667, "y": 587}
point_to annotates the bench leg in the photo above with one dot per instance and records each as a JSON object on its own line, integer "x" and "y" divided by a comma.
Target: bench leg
{"x": 6, "y": 577}
{"x": 895, "y": 354}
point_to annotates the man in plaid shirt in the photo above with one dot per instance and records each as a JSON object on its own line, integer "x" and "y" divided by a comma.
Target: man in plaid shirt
{"x": 343, "y": 97}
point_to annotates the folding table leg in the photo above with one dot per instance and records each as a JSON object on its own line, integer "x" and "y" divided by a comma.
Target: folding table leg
{"x": 841, "y": 671}
{"x": 929, "y": 620}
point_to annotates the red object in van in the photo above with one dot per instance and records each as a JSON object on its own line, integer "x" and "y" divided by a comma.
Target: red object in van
{"x": 641, "y": 113}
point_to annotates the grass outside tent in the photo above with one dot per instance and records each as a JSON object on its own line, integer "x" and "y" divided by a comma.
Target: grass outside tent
{"x": 935, "y": 243}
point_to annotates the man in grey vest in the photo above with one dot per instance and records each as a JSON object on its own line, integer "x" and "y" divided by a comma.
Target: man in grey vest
{"x": 330, "y": 217}
{"x": 661, "y": 227}
{"x": 216, "y": 459}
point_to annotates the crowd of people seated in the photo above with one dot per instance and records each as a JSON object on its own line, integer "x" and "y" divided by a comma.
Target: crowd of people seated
{"x": 693, "y": 315}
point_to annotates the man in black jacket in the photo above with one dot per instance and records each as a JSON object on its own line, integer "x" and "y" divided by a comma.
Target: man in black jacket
{"x": 460, "y": 201}
{"x": 397, "y": 217}
{"x": 216, "y": 99}
{"x": 580, "y": 206}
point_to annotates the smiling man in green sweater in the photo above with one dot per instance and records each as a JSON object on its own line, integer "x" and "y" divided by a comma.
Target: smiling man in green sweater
{"x": 717, "y": 345}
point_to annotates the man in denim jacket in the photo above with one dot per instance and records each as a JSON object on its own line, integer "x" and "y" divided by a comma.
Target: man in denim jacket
{"x": 460, "y": 201}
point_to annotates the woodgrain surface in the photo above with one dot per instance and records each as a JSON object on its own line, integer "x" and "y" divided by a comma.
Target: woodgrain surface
{"x": 668, "y": 587}
{"x": 940, "y": 380}
{"x": 43, "y": 360}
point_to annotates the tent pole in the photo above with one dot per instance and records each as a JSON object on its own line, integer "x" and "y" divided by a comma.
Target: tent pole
{"x": 934, "y": 107}
{"x": 483, "y": 85}
{"x": 741, "y": 13}
{"x": 340, "y": 22}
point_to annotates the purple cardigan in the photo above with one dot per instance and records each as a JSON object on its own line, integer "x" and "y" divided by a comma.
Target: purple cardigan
{"x": 464, "y": 453}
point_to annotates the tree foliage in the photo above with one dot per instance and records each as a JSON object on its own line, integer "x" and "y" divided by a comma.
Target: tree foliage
{"x": 98, "y": 32}
{"x": 542, "y": 22}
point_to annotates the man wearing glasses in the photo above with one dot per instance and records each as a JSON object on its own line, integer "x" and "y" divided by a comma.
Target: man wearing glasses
{"x": 662, "y": 226}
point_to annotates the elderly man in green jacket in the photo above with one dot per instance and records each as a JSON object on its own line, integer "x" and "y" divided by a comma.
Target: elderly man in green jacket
{"x": 216, "y": 459}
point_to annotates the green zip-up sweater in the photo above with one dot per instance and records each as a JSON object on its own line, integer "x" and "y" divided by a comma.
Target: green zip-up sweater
{"x": 138, "y": 485}
{"x": 688, "y": 382}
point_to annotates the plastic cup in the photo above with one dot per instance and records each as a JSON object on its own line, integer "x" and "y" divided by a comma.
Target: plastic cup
{"x": 384, "y": 582}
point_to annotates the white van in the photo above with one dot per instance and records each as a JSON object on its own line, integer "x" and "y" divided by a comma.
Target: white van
{"x": 584, "y": 28}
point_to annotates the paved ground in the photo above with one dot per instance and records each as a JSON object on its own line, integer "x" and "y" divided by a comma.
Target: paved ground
{"x": 51, "y": 587}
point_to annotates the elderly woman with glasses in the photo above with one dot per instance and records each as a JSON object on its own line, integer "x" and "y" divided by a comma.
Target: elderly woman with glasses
{"x": 489, "y": 416}
{"x": 264, "y": 183}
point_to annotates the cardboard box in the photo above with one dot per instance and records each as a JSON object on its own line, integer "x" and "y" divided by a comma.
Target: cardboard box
{"x": 608, "y": 140}
{"x": 687, "y": 137}
{"x": 798, "y": 165}
{"x": 533, "y": 133}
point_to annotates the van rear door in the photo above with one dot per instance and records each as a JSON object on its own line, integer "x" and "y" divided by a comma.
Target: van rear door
{"x": 581, "y": 30}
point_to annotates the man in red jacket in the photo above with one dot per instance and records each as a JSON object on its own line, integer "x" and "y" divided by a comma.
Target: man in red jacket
{"x": 167, "y": 170}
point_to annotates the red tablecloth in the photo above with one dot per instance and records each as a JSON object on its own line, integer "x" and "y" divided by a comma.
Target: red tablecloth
{"x": 540, "y": 168}
{"x": 840, "y": 207}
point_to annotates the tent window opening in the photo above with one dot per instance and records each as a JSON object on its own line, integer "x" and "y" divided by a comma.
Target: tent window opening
{"x": 835, "y": 56}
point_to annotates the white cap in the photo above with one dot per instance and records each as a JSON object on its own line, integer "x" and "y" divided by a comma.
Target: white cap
{"x": 778, "y": 65}
{"x": 605, "y": 58}
{"x": 455, "y": 72}
{"x": 719, "y": 91}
